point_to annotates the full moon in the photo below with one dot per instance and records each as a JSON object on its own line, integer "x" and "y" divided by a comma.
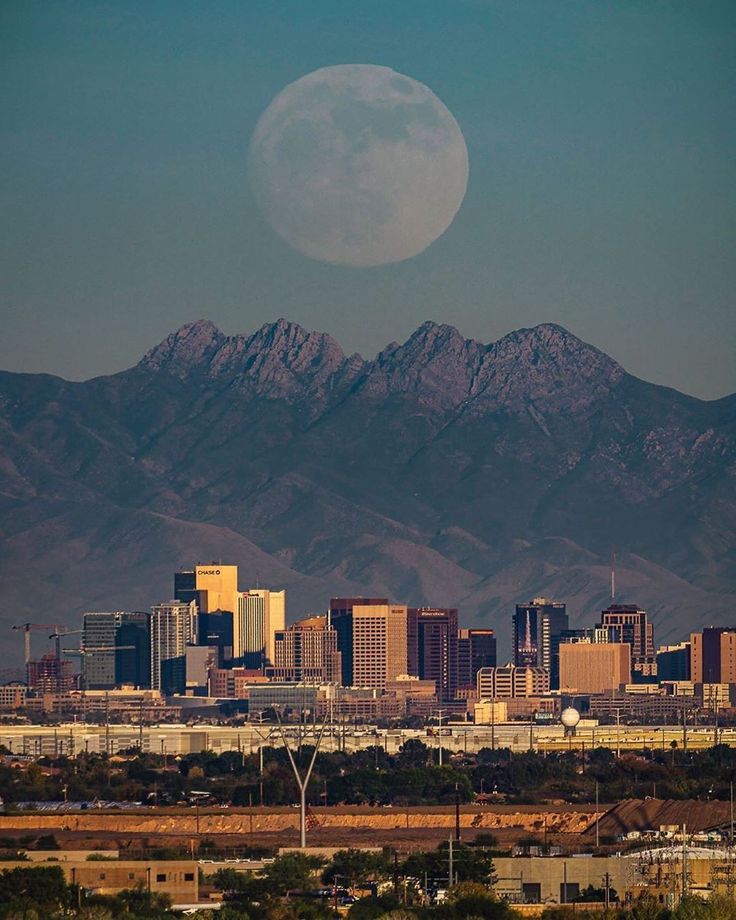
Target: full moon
{"x": 358, "y": 165}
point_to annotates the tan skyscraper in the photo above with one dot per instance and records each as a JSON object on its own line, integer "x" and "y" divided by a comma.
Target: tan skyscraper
{"x": 380, "y": 643}
{"x": 259, "y": 613}
{"x": 306, "y": 651}
{"x": 221, "y": 584}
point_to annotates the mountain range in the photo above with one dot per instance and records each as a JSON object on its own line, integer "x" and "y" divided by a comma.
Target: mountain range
{"x": 443, "y": 472}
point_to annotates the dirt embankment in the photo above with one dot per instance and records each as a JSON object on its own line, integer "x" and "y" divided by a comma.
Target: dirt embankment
{"x": 256, "y": 821}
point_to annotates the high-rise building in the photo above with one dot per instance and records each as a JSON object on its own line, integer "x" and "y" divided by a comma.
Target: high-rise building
{"x": 213, "y": 587}
{"x": 306, "y": 652}
{"x": 630, "y": 624}
{"x": 512, "y": 682}
{"x": 432, "y": 648}
{"x": 115, "y": 650}
{"x": 133, "y": 651}
{"x": 173, "y": 627}
{"x": 259, "y": 614}
{"x": 476, "y": 649}
{"x": 372, "y": 637}
{"x": 50, "y": 675}
{"x": 673, "y": 662}
{"x": 341, "y": 618}
{"x": 713, "y": 655}
{"x": 216, "y": 631}
{"x": 536, "y": 631}
{"x": 594, "y": 667}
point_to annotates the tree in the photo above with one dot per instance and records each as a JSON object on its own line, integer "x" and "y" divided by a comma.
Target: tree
{"x": 43, "y": 887}
{"x": 469, "y": 864}
{"x": 413, "y": 753}
{"x": 356, "y": 867}
{"x": 596, "y": 895}
{"x": 143, "y": 903}
{"x": 292, "y": 871}
{"x": 373, "y": 907}
{"x": 470, "y": 899}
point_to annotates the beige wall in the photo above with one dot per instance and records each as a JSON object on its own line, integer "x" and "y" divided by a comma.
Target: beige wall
{"x": 594, "y": 667}
{"x": 728, "y": 658}
{"x": 177, "y": 878}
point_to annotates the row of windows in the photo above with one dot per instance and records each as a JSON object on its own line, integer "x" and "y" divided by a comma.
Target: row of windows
{"x": 160, "y": 876}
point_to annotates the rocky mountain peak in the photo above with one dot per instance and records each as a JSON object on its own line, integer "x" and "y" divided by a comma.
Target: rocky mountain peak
{"x": 436, "y": 364}
{"x": 191, "y": 347}
{"x": 545, "y": 366}
{"x": 279, "y": 360}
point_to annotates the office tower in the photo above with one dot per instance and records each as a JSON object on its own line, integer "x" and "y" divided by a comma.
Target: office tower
{"x": 216, "y": 631}
{"x": 50, "y": 675}
{"x": 512, "y": 682}
{"x": 594, "y": 667}
{"x": 372, "y": 637}
{"x": 99, "y": 635}
{"x": 341, "y": 618}
{"x": 432, "y": 648}
{"x": 115, "y": 650}
{"x": 306, "y": 652}
{"x": 133, "y": 650}
{"x": 476, "y": 649}
{"x": 536, "y": 631}
{"x": 630, "y": 624}
{"x": 713, "y": 655}
{"x": 259, "y": 613}
{"x": 673, "y": 662}
{"x": 173, "y": 627}
{"x": 185, "y": 586}
{"x": 214, "y": 587}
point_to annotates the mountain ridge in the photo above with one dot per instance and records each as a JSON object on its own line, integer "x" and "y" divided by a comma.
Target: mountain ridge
{"x": 437, "y": 472}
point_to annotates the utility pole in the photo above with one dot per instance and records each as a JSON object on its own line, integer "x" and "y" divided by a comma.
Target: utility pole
{"x": 440, "y": 716}
{"x": 302, "y": 783}
{"x": 457, "y": 811}
{"x": 618, "y": 733}
{"x": 451, "y": 867}
{"x": 597, "y": 837}
{"x": 684, "y": 860}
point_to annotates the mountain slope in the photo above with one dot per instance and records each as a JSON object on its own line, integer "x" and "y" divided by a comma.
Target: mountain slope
{"x": 443, "y": 471}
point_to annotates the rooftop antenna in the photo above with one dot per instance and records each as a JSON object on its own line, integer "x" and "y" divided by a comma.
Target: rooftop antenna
{"x": 613, "y": 573}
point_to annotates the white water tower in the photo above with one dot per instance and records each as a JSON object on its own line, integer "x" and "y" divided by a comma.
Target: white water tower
{"x": 570, "y": 718}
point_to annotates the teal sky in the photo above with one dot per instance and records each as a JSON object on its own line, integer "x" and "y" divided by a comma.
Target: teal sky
{"x": 601, "y": 193}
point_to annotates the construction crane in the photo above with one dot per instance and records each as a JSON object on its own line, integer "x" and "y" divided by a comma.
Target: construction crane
{"x": 57, "y": 635}
{"x": 27, "y": 629}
